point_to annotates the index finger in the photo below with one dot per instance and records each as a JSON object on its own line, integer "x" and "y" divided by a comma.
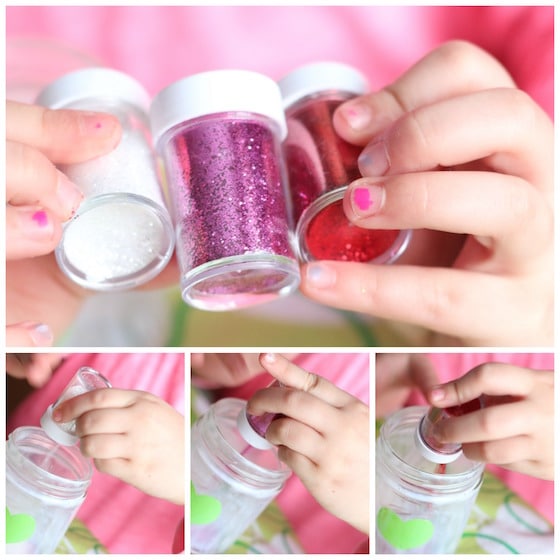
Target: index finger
{"x": 494, "y": 379}
{"x": 63, "y": 135}
{"x": 293, "y": 376}
{"x": 96, "y": 399}
{"x": 455, "y": 68}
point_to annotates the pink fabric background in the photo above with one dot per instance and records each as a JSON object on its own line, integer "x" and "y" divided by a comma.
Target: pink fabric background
{"x": 159, "y": 45}
{"x": 124, "y": 519}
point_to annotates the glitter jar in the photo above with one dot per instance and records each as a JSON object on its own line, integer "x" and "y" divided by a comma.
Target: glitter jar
{"x": 121, "y": 235}
{"x": 232, "y": 480}
{"x": 420, "y": 507}
{"x": 219, "y": 134}
{"x": 320, "y": 166}
{"x": 45, "y": 485}
{"x": 84, "y": 380}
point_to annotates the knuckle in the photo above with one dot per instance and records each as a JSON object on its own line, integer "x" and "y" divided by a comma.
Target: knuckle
{"x": 438, "y": 301}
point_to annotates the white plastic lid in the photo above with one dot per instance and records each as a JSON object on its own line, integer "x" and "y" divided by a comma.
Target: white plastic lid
{"x": 321, "y": 76}
{"x": 55, "y": 431}
{"x": 217, "y": 91}
{"x": 248, "y": 433}
{"x": 94, "y": 82}
{"x": 431, "y": 454}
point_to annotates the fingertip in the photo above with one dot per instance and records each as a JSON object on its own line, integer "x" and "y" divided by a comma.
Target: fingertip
{"x": 29, "y": 334}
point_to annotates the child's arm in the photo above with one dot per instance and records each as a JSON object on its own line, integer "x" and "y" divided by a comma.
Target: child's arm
{"x": 517, "y": 433}
{"x": 455, "y": 151}
{"x": 132, "y": 435}
{"x": 324, "y": 438}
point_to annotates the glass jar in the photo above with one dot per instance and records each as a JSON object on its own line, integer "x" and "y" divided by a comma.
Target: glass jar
{"x": 232, "y": 480}
{"x": 45, "y": 485}
{"x": 321, "y": 165}
{"x": 121, "y": 235}
{"x": 219, "y": 134}
{"x": 422, "y": 506}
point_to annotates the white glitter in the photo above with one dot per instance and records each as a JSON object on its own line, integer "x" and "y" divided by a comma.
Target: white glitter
{"x": 118, "y": 236}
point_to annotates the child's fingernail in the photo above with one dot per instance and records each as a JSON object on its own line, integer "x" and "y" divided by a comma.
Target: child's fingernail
{"x": 320, "y": 276}
{"x": 438, "y": 394}
{"x": 357, "y": 114}
{"x": 69, "y": 196}
{"x": 269, "y": 358}
{"x": 366, "y": 198}
{"x": 56, "y": 415}
{"x": 374, "y": 160}
{"x": 100, "y": 124}
{"x": 41, "y": 334}
{"x": 35, "y": 224}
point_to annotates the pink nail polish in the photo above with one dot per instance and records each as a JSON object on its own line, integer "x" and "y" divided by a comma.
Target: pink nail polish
{"x": 40, "y": 218}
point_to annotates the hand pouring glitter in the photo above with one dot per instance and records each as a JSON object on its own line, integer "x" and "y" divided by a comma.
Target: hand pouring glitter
{"x": 219, "y": 134}
{"x": 321, "y": 165}
{"x": 122, "y": 234}
{"x": 235, "y": 474}
{"x": 424, "y": 489}
{"x": 46, "y": 476}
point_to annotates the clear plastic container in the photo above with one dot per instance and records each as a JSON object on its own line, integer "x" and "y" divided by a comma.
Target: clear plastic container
{"x": 422, "y": 506}
{"x": 232, "y": 481}
{"x": 84, "y": 380}
{"x": 321, "y": 165}
{"x": 122, "y": 234}
{"x": 45, "y": 485}
{"x": 219, "y": 134}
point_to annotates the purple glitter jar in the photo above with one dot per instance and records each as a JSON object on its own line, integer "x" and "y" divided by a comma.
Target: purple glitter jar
{"x": 220, "y": 134}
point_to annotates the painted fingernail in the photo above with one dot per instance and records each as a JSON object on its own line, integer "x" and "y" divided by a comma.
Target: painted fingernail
{"x": 41, "y": 334}
{"x": 68, "y": 195}
{"x": 100, "y": 124}
{"x": 357, "y": 114}
{"x": 438, "y": 394}
{"x": 269, "y": 358}
{"x": 366, "y": 199}
{"x": 320, "y": 276}
{"x": 374, "y": 160}
{"x": 35, "y": 224}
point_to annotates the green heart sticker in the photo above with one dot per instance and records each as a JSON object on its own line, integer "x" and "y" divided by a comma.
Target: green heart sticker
{"x": 19, "y": 527}
{"x": 204, "y": 509}
{"x": 403, "y": 535}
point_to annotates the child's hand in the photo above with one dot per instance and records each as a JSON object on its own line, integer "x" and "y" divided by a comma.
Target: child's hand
{"x": 517, "y": 434}
{"x": 36, "y": 368}
{"x": 225, "y": 370}
{"x": 324, "y": 438}
{"x": 132, "y": 435}
{"x": 39, "y": 199}
{"x": 397, "y": 376}
{"x": 455, "y": 151}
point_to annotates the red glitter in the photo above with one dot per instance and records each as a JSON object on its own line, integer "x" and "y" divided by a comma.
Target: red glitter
{"x": 331, "y": 236}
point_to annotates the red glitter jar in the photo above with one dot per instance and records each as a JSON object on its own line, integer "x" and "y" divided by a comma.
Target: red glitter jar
{"x": 320, "y": 166}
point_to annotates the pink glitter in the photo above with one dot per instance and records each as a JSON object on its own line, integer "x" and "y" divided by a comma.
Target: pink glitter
{"x": 228, "y": 196}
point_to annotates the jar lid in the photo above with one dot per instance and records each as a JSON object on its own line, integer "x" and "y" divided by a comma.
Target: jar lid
{"x": 248, "y": 432}
{"x": 321, "y": 76}
{"x": 432, "y": 454}
{"x": 91, "y": 83}
{"x": 217, "y": 91}
{"x": 55, "y": 431}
